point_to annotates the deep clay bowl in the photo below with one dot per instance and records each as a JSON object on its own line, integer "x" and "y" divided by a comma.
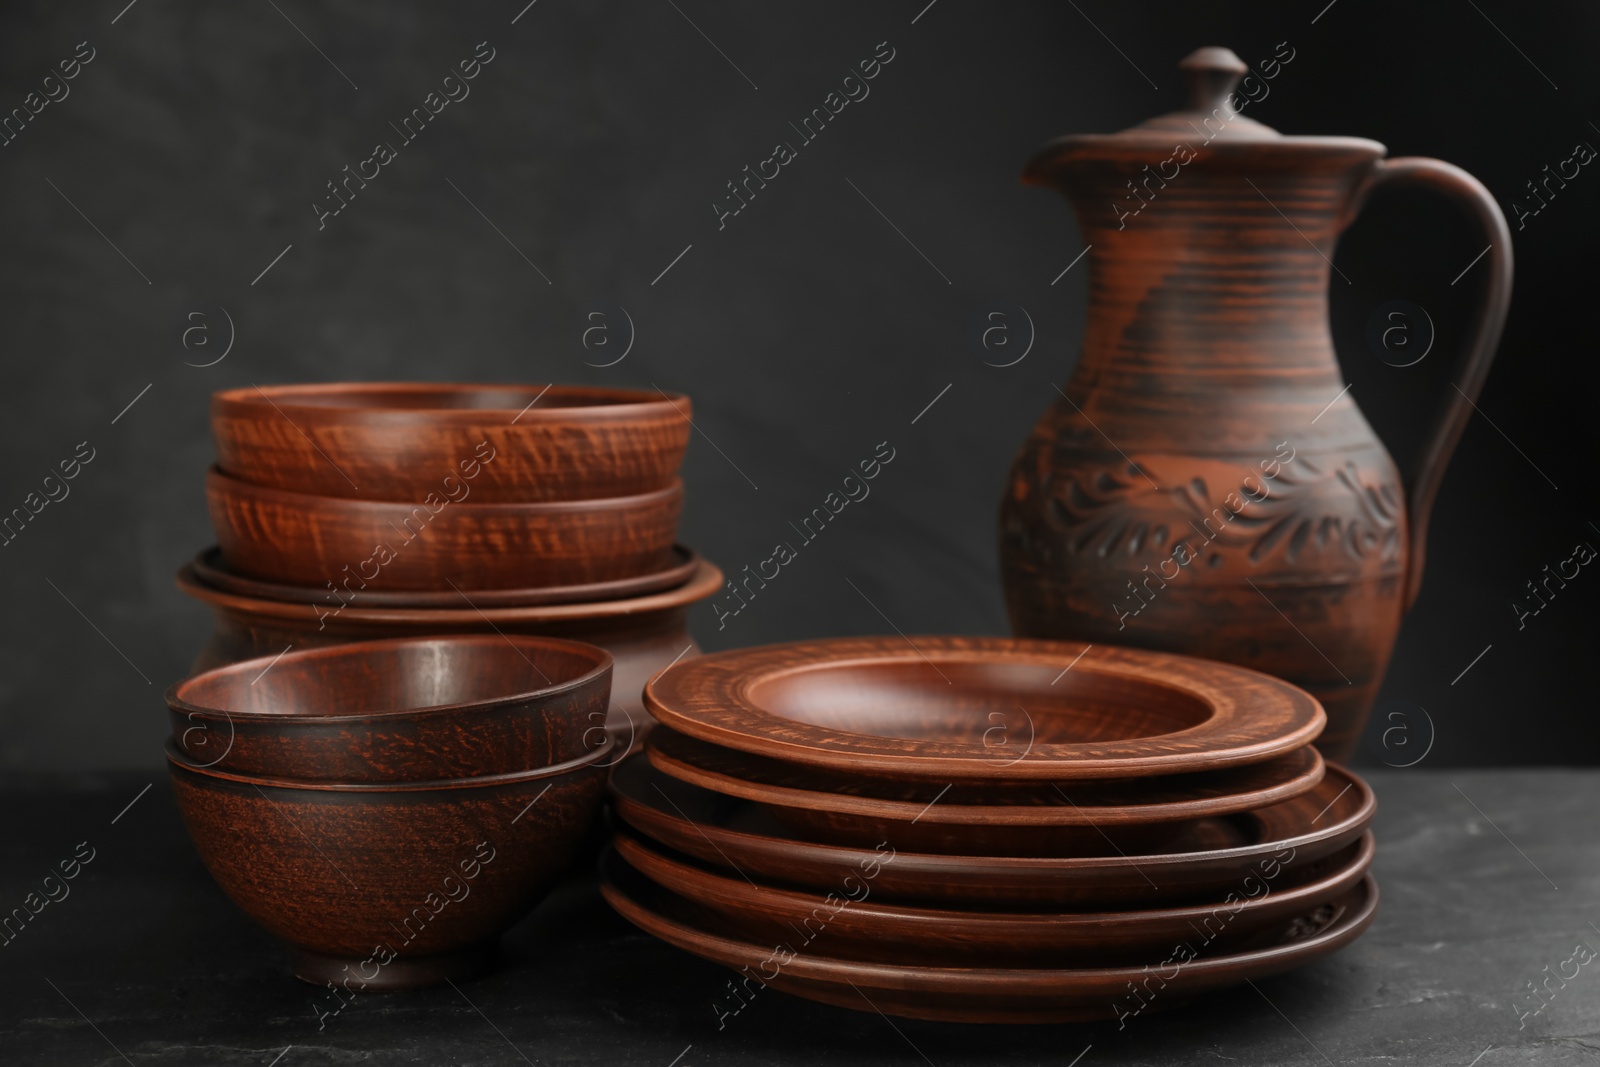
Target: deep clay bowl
{"x": 388, "y": 886}
{"x": 399, "y": 440}
{"x": 436, "y": 543}
{"x": 405, "y": 710}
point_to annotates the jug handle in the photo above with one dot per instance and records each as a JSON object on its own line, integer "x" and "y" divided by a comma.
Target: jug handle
{"x": 1472, "y": 366}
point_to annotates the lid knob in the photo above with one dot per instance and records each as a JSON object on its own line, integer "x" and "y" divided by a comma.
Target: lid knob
{"x": 1212, "y": 74}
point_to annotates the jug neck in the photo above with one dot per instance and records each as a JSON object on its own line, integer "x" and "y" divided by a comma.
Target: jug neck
{"x": 1211, "y": 276}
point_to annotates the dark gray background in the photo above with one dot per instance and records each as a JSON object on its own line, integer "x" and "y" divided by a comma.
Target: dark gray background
{"x": 807, "y": 331}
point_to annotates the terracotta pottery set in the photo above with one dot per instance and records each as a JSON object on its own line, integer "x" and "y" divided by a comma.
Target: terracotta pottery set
{"x": 1206, "y": 482}
{"x": 360, "y": 511}
{"x": 987, "y": 829}
{"x": 387, "y": 809}
{"x": 441, "y": 612}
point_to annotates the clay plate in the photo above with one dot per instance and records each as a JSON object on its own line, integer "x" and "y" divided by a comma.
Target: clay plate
{"x": 1028, "y": 818}
{"x": 985, "y": 995}
{"x": 848, "y": 922}
{"x": 1206, "y": 859}
{"x": 213, "y": 570}
{"x": 977, "y": 709}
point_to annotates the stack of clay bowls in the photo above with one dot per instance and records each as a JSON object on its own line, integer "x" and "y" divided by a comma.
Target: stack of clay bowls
{"x": 388, "y": 808}
{"x": 987, "y": 829}
{"x": 356, "y": 511}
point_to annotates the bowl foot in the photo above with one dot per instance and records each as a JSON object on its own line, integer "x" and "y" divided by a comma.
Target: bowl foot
{"x": 402, "y": 972}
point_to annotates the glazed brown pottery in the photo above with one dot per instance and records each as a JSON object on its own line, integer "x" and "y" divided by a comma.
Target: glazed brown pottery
{"x": 850, "y": 923}
{"x": 213, "y": 570}
{"x": 1040, "y": 819}
{"x": 409, "y": 709}
{"x": 1210, "y": 856}
{"x": 983, "y": 709}
{"x": 388, "y": 886}
{"x": 643, "y": 634}
{"x": 982, "y": 994}
{"x": 1205, "y": 481}
{"x": 401, "y": 441}
{"x": 304, "y": 539}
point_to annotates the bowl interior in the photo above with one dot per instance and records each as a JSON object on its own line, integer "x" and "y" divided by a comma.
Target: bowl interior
{"x": 485, "y": 398}
{"x": 983, "y": 704}
{"x": 360, "y": 680}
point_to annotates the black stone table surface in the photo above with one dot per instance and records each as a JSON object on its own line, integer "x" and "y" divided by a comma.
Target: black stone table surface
{"x": 1490, "y": 881}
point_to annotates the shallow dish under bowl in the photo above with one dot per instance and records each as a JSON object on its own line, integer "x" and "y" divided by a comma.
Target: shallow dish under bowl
{"x": 212, "y": 569}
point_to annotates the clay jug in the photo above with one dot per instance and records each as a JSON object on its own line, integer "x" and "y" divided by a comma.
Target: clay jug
{"x": 1206, "y": 483}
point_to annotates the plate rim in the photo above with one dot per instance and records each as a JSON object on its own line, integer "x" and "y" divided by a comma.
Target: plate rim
{"x": 708, "y": 698}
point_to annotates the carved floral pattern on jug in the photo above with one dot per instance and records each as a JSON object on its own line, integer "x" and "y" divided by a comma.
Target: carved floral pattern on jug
{"x": 1305, "y": 511}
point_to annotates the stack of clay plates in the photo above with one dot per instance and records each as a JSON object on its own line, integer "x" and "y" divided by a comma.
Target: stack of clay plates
{"x": 988, "y": 829}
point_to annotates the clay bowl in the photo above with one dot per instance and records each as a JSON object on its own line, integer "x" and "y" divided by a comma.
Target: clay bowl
{"x": 388, "y": 885}
{"x": 400, "y": 441}
{"x": 403, "y": 710}
{"x": 850, "y": 923}
{"x": 803, "y": 966}
{"x": 984, "y": 709}
{"x": 1206, "y": 859}
{"x": 1028, "y": 819}
{"x": 642, "y": 633}
{"x": 213, "y": 570}
{"x": 305, "y": 539}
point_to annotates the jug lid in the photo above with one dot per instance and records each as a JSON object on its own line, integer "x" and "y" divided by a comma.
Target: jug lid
{"x": 1213, "y": 120}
